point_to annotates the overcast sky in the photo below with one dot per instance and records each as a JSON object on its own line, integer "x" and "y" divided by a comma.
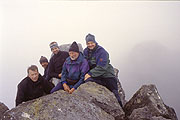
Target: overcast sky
{"x": 142, "y": 39}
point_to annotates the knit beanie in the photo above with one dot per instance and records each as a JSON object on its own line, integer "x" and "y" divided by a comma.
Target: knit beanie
{"x": 43, "y": 59}
{"x": 54, "y": 44}
{"x": 74, "y": 47}
{"x": 90, "y": 37}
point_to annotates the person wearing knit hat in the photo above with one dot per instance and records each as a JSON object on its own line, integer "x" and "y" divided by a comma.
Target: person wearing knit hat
{"x": 56, "y": 63}
{"x": 90, "y": 37}
{"x": 74, "y": 51}
{"x": 74, "y": 47}
{"x": 54, "y": 47}
{"x": 74, "y": 69}
{"x": 44, "y": 63}
{"x": 101, "y": 71}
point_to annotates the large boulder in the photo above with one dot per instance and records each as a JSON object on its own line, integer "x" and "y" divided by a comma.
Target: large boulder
{"x": 146, "y": 104}
{"x": 3, "y": 109}
{"x": 89, "y": 102}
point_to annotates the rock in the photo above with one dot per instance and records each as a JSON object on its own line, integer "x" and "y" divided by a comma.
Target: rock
{"x": 89, "y": 102}
{"x": 146, "y": 104}
{"x": 120, "y": 89}
{"x": 3, "y": 109}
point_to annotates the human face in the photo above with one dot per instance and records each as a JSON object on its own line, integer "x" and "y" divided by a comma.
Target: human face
{"x": 44, "y": 64}
{"x": 55, "y": 50}
{"x": 34, "y": 75}
{"x": 91, "y": 45}
{"x": 73, "y": 55}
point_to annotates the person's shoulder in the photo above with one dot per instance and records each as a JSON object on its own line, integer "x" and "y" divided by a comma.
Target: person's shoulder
{"x": 65, "y": 53}
{"x": 41, "y": 77}
{"x": 100, "y": 49}
{"x": 24, "y": 82}
{"x": 85, "y": 50}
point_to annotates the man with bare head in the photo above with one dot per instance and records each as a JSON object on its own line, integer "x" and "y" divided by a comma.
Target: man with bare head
{"x": 32, "y": 86}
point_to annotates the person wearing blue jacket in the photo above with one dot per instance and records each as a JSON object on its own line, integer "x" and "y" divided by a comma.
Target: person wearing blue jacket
{"x": 74, "y": 69}
{"x": 101, "y": 71}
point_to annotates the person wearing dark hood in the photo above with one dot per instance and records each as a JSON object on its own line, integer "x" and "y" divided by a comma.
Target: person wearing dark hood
{"x": 101, "y": 71}
{"x": 44, "y": 63}
{"x": 74, "y": 69}
{"x": 33, "y": 86}
{"x": 56, "y": 63}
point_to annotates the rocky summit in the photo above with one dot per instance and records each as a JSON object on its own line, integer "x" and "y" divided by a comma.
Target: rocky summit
{"x": 89, "y": 102}
{"x": 93, "y": 102}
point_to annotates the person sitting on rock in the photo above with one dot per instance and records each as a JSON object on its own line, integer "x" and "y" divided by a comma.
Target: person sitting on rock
{"x": 44, "y": 63}
{"x": 74, "y": 69}
{"x": 101, "y": 71}
{"x": 33, "y": 86}
{"x": 56, "y": 63}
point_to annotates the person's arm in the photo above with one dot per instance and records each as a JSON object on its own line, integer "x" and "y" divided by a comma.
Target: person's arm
{"x": 64, "y": 74}
{"x": 64, "y": 78}
{"x": 51, "y": 70}
{"x": 47, "y": 77}
{"x": 102, "y": 61}
{"x": 20, "y": 95}
{"x": 47, "y": 86}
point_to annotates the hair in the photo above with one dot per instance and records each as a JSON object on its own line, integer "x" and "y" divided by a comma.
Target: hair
{"x": 43, "y": 59}
{"x": 33, "y": 68}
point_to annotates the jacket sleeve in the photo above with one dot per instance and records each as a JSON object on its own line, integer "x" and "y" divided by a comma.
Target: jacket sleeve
{"x": 46, "y": 74}
{"x": 47, "y": 86}
{"x": 51, "y": 72}
{"x": 84, "y": 69}
{"x": 20, "y": 95}
{"x": 64, "y": 74}
{"x": 102, "y": 61}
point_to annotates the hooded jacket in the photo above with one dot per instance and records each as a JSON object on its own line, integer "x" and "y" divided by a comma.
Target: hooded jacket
{"x": 75, "y": 70}
{"x": 99, "y": 63}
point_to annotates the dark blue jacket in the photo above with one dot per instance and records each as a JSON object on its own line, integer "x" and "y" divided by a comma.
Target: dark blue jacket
{"x": 98, "y": 60}
{"x": 75, "y": 70}
{"x": 56, "y": 63}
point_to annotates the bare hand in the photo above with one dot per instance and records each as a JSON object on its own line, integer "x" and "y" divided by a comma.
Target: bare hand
{"x": 71, "y": 91}
{"x": 59, "y": 75}
{"x": 66, "y": 87}
{"x": 86, "y": 77}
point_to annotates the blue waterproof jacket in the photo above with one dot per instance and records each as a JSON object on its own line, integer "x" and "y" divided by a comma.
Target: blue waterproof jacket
{"x": 75, "y": 70}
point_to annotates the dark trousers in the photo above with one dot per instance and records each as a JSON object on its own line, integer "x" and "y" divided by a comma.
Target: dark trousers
{"x": 59, "y": 86}
{"x": 109, "y": 83}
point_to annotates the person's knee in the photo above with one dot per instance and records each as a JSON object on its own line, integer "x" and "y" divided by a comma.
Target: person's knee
{"x": 52, "y": 90}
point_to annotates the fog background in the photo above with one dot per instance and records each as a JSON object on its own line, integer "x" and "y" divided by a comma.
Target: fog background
{"x": 142, "y": 39}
